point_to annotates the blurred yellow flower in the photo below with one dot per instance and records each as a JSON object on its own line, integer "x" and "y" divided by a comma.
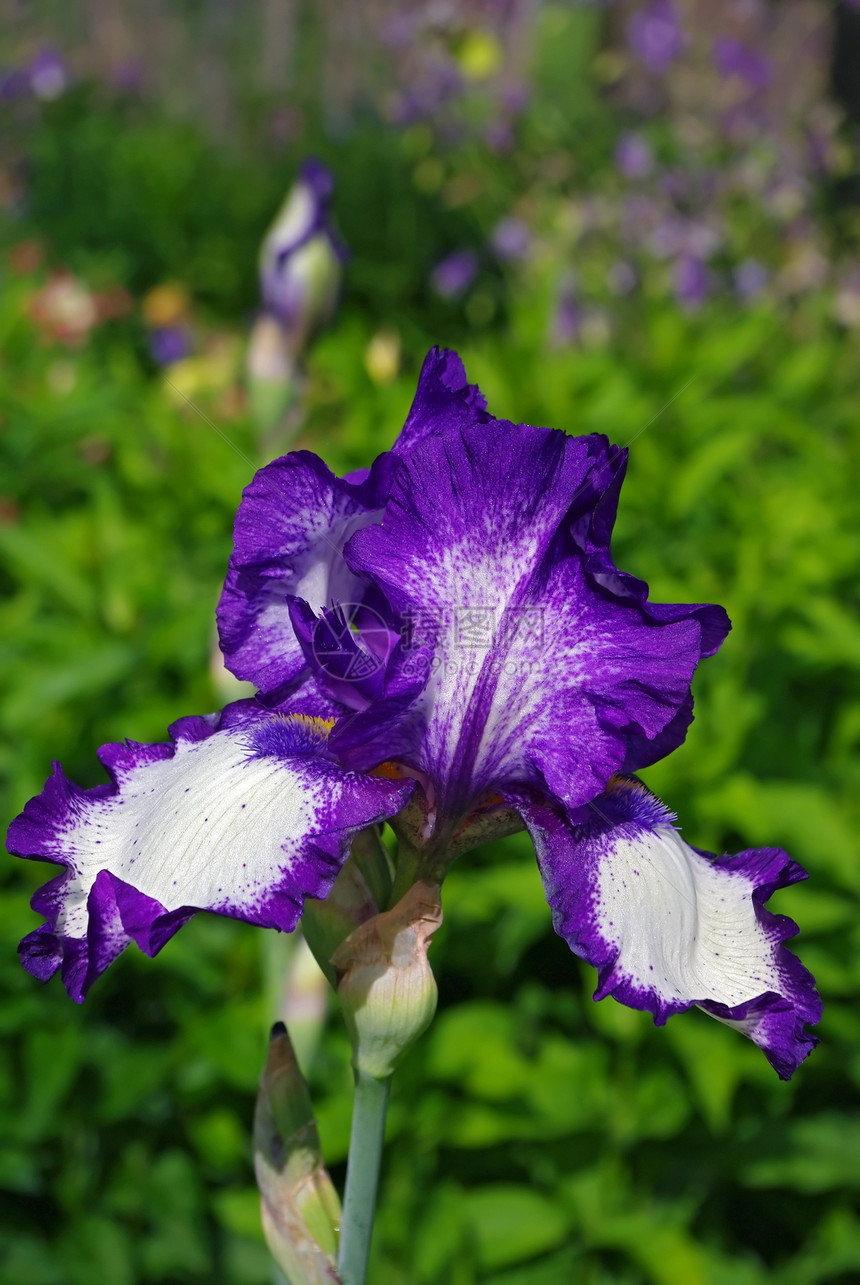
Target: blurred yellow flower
{"x": 382, "y": 356}
{"x": 479, "y": 55}
{"x": 165, "y": 305}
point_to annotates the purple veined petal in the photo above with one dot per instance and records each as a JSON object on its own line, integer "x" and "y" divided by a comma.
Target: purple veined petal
{"x": 244, "y": 815}
{"x": 292, "y": 524}
{"x": 592, "y": 533}
{"x": 668, "y": 927}
{"x": 534, "y": 671}
{"x": 444, "y": 401}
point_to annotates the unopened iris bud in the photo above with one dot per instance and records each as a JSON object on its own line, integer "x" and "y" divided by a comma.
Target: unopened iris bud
{"x": 300, "y": 260}
{"x": 300, "y": 1208}
{"x": 387, "y": 990}
{"x": 300, "y": 271}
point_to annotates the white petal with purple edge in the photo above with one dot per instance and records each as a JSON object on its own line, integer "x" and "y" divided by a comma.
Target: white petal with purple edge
{"x": 245, "y": 820}
{"x": 669, "y": 927}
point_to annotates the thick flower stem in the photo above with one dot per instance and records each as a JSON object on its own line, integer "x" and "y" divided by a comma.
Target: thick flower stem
{"x": 362, "y": 1176}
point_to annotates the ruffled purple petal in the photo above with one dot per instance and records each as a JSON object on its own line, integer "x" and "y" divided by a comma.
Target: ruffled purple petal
{"x": 668, "y": 927}
{"x": 244, "y": 814}
{"x": 536, "y": 672}
{"x": 592, "y": 533}
{"x": 292, "y": 524}
{"x": 444, "y": 401}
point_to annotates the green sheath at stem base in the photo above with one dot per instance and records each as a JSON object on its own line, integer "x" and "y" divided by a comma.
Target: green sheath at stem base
{"x": 362, "y": 1176}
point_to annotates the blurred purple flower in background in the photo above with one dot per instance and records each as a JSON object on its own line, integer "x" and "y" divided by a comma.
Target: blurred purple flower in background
{"x": 656, "y": 36}
{"x": 48, "y": 75}
{"x": 14, "y": 84}
{"x": 622, "y": 277}
{"x": 568, "y": 318}
{"x": 453, "y": 276}
{"x": 511, "y": 239}
{"x": 633, "y": 156}
{"x": 692, "y": 283}
{"x": 168, "y": 344}
{"x": 733, "y": 58}
{"x": 750, "y": 278}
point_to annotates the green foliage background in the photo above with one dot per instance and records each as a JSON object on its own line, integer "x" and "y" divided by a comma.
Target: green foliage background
{"x": 535, "y": 1138}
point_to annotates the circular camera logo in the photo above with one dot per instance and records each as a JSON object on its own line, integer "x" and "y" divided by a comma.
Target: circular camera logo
{"x": 351, "y": 643}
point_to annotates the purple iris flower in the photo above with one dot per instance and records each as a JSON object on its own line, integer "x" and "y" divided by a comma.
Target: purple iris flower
{"x": 656, "y": 36}
{"x": 453, "y": 276}
{"x": 447, "y": 634}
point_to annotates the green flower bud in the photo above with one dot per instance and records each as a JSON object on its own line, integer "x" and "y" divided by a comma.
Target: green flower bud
{"x": 387, "y": 990}
{"x": 300, "y": 1207}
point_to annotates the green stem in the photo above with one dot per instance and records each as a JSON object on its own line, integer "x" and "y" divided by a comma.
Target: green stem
{"x": 406, "y": 871}
{"x": 362, "y": 1176}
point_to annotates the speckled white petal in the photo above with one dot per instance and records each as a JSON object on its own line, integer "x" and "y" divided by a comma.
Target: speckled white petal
{"x": 668, "y": 926}
{"x": 245, "y": 820}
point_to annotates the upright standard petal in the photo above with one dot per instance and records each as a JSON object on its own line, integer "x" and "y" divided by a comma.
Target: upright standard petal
{"x": 535, "y": 673}
{"x": 669, "y": 927}
{"x": 244, "y": 814}
{"x": 444, "y": 401}
{"x": 292, "y": 524}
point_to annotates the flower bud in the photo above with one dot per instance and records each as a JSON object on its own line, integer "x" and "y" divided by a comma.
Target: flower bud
{"x": 300, "y": 271}
{"x": 300, "y": 260}
{"x": 387, "y": 990}
{"x": 300, "y": 1207}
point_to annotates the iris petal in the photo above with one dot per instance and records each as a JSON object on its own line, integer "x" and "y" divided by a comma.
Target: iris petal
{"x": 245, "y": 815}
{"x": 669, "y": 927}
{"x": 536, "y": 672}
{"x": 292, "y": 524}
